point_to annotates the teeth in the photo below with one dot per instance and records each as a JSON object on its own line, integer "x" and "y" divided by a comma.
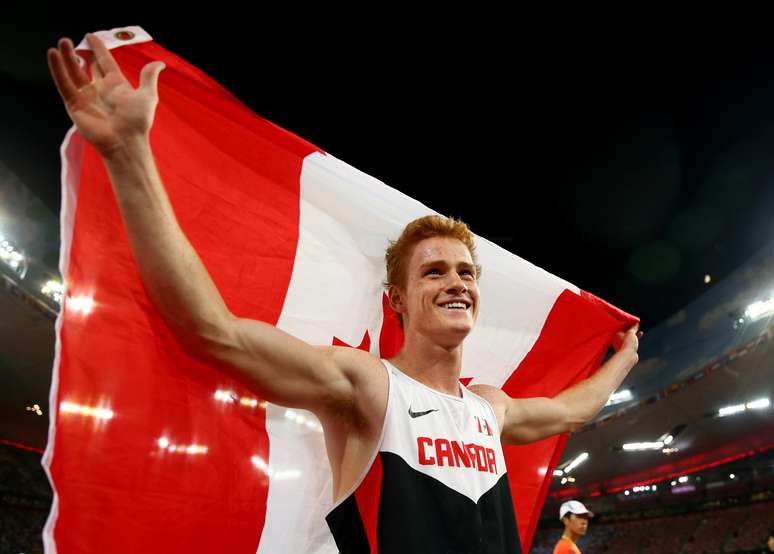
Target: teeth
{"x": 455, "y": 305}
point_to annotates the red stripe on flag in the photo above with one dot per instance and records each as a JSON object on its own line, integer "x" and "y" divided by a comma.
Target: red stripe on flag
{"x": 571, "y": 345}
{"x": 391, "y": 335}
{"x": 233, "y": 179}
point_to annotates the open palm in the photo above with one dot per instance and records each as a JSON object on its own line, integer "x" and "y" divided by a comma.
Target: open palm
{"x": 107, "y": 110}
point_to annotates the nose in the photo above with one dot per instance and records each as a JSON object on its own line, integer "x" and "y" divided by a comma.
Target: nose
{"x": 457, "y": 284}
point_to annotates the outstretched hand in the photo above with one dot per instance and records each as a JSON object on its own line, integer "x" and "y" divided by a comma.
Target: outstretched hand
{"x": 106, "y": 109}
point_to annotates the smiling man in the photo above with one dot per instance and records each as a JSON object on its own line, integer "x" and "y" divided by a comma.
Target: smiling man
{"x": 416, "y": 458}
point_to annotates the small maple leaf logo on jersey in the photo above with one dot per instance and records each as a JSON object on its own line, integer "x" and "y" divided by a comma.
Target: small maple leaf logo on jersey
{"x": 484, "y": 429}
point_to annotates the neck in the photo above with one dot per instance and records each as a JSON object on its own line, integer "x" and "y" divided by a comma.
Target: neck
{"x": 431, "y": 364}
{"x": 571, "y": 536}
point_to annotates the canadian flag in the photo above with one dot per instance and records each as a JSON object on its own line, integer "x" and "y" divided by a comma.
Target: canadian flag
{"x": 152, "y": 451}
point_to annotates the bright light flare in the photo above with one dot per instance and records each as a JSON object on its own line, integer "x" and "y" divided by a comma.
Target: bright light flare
{"x": 249, "y": 402}
{"x": 619, "y": 396}
{"x": 73, "y": 408}
{"x": 193, "y": 449}
{"x": 83, "y": 304}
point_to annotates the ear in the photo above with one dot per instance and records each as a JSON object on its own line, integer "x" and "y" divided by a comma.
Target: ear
{"x": 395, "y": 295}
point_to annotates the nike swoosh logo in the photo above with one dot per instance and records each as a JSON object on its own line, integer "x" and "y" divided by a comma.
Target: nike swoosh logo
{"x": 420, "y": 414}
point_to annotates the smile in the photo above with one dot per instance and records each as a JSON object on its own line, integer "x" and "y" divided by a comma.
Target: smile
{"x": 455, "y": 306}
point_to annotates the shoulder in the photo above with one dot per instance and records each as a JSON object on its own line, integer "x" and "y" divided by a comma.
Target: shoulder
{"x": 563, "y": 547}
{"x": 357, "y": 365}
{"x": 496, "y": 397}
{"x": 367, "y": 381}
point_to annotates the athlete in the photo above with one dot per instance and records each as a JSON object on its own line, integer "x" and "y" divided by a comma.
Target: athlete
{"x": 432, "y": 446}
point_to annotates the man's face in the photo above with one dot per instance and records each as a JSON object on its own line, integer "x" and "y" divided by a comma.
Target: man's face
{"x": 578, "y": 524}
{"x": 770, "y": 543}
{"x": 441, "y": 294}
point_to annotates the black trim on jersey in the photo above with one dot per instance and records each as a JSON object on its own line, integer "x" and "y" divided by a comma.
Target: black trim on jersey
{"x": 347, "y": 528}
{"x": 419, "y": 514}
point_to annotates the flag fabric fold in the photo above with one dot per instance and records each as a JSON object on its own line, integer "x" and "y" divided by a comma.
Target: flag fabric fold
{"x": 151, "y": 450}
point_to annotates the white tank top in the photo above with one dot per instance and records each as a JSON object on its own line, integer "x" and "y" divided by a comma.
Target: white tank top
{"x": 437, "y": 482}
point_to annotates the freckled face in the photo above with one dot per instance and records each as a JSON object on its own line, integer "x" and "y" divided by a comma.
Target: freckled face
{"x": 441, "y": 295}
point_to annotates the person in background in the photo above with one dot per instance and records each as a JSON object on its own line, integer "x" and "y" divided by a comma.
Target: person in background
{"x": 575, "y": 517}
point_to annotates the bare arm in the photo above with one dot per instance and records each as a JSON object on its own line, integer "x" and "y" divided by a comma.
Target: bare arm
{"x": 525, "y": 420}
{"x": 116, "y": 119}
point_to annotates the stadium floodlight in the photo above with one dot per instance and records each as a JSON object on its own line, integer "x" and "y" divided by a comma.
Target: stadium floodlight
{"x": 730, "y": 410}
{"x": 668, "y": 440}
{"x": 558, "y": 473}
{"x": 13, "y": 257}
{"x": 637, "y": 446}
{"x": 618, "y": 397}
{"x": 54, "y": 290}
{"x": 759, "y": 309}
{"x": 758, "y": 404}
{"x": 576, "y": 462}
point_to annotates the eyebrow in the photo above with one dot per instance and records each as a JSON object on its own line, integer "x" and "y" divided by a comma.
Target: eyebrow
{"x": 466, "y": 265}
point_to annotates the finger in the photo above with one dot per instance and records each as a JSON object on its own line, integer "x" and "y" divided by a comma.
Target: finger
{"x": 102, "y": 55}
{"x": 64, "y": 85}
{"x": 149, "y": 76}
{"x": 96, "y": 72}
{"x": 72, "y": 66}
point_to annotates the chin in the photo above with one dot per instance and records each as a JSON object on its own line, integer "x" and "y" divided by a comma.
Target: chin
{"x": 454, "y": 336}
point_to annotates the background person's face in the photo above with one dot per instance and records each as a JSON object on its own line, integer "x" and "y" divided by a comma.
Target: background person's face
{"x": 578, "y": 524}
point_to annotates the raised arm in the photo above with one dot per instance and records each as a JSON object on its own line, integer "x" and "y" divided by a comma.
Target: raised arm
{"x": 116, "y": 118}
{"x": 525, "y": 420}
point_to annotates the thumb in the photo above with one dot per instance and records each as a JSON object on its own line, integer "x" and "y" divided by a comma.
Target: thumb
{"x": 149, "y": 76}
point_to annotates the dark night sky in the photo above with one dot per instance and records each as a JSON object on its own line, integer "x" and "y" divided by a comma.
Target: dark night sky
{"x": 630, "y": 171}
